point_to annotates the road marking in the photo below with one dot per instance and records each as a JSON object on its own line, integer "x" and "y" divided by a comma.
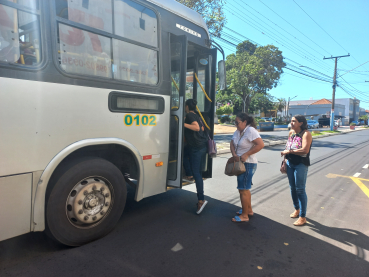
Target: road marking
{"x": 356, "y": 174}
{"x": 355, "y": 179}
{"x": 361, "y": 185}
{"x": 366, "y": 166}
{"x": 330, "y": 175}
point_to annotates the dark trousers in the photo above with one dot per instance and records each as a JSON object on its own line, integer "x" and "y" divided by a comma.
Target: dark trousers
{"x": 192, "y": 158}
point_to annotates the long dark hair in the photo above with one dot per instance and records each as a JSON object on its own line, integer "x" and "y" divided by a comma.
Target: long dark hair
{"x": 191, "y": 103}
{"x": 250, "y": 120}
{"x": 300, "y": 118}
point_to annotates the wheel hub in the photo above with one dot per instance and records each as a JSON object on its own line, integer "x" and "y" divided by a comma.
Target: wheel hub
{"x": 89, "y": 202}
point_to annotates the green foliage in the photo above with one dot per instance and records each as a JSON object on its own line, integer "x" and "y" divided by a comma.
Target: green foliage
{"x": 280, "y": 104}
{"x": 262, "y": 102}
{"x": 212, "y": 12}
{"x": 232, "y": 118}
{"x": 226, "y": 109}
{"x": 365, "y": 118}
{"x": 253, "y": 70}
{"x": 261, "y": 120}
{"x": 352, "y": 124}
{"x": 219, "y": 111}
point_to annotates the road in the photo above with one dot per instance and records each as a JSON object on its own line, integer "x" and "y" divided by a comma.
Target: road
{"x": 162, "y": 235}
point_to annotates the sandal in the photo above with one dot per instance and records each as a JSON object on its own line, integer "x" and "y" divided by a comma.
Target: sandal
{"x": 238, "y": 219}
{"x": 301, "y": 221}
{"x": 295, "y": 214}
{"x": 240, "y": 212}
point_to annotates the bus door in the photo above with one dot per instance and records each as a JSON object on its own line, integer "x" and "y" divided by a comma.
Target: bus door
{"x": 200, "y": 85}
{"x": 178, "y": 56}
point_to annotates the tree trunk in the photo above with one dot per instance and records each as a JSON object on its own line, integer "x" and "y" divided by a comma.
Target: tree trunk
{"x": 248, "y": 101}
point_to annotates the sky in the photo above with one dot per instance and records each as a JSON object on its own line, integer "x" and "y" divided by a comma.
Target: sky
{"x": 343, "y": 28}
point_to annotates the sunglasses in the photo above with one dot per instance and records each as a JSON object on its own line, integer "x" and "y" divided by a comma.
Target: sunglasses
{"x": 237, "y": 122}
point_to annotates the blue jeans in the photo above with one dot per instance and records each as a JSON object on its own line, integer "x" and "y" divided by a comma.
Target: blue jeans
{"x": 244, "y": 180}
{"x": 297, "y": 177}
{"x": 192, "y": 158}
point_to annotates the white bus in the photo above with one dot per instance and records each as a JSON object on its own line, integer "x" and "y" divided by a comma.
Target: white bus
{"x": 92, "y": 97}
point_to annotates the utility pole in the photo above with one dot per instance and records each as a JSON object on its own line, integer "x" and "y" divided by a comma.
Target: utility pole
{"x": 334, "y": 86}
{"x": 288, "y": 106}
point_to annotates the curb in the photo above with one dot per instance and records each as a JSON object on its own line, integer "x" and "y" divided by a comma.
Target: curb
{"x": 279, "y": 142}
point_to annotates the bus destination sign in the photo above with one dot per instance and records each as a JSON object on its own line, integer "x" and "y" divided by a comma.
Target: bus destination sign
{"x": 188, "y": 30}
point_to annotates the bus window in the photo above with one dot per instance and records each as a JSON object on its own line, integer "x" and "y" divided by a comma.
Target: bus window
{"x": 93, "y": 13}
{"x": 135, "y": 22}
{"x": 189, "y": 84}
{"x": 175, "y": 50}
{"x": 82, "y": 52}
{"x": 135, "y": 63}
{"x": 200, "y": 94}
{"x": 19, "y": 37}
{"x": 27, "y": 3}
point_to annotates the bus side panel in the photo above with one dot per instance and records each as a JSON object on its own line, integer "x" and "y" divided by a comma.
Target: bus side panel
{"x": 15, "y": 199}
{"x": 39, "y": 119}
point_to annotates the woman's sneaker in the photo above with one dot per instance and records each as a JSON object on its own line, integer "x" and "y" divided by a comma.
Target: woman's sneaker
{"x": 201, "y": 206}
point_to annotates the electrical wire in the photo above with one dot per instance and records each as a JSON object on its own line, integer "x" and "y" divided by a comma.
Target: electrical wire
{"x": 324, "y": 30}
{"x": 320, "y": 26}
{"x": 275, "y": 37}
{"x": 303, "y": 43}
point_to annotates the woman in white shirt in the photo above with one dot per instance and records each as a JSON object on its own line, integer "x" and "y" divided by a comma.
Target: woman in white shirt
{"x": 245, "y": 143}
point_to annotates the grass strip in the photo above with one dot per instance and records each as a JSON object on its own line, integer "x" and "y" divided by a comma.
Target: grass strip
{"x": 324, "y": 132}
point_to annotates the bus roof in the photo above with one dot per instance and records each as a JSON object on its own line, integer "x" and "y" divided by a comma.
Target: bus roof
{"x": 182, "y": 11}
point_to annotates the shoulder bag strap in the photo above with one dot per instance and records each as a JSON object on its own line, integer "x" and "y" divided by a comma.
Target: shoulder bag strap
{"x": 240, "y": 139}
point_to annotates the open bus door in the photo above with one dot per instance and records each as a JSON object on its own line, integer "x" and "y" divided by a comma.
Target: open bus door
{"x": 193, "y": 74}
{"x": 178, "y": 56}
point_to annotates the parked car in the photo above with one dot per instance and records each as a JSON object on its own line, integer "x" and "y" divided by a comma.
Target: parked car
{"x": 313, "y": 124}
{"x": 357, "y": 123}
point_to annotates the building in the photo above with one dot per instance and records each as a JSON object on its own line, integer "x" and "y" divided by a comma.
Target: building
{"x": 346, "y": 109}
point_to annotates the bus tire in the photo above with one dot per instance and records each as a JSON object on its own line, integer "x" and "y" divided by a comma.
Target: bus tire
{"x": 85, "y": 201}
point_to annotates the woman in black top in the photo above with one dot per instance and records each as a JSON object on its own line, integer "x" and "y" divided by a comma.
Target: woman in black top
{"x": 195, "y": 149}
{"x": 297, "y": 153}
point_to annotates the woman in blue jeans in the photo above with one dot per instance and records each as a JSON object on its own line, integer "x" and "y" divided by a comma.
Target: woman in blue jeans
{"x": 245, "y": 143}
{"x": 195, "y": 149}
{"x": 297, "y": 154}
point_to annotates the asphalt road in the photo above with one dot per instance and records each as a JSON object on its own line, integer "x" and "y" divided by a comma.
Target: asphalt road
{"x": 162, "y": 235}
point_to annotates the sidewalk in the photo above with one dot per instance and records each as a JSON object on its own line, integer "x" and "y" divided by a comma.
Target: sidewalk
{"x": 269, "y": 140}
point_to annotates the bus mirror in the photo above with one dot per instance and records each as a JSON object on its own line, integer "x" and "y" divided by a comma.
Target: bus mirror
{"x": 222, "y": 75}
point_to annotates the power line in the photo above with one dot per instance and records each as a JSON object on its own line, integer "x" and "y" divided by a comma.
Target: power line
{"x": 282, "y": 29}
{"x": 273, "y": 38}
{"x": 319, "y": 26}
{"x": 283, "y": 40}
{"x": 354, "y": 68}
{"x": 294, "y": 27}
{"x": 297, "y": 69}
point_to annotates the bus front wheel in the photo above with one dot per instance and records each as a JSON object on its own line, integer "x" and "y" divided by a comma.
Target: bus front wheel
{"x": 85, "y": 202}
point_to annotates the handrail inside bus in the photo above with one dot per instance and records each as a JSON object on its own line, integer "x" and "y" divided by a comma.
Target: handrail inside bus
{"x": 198, "y": 81}
{"x": 175, "y": 84}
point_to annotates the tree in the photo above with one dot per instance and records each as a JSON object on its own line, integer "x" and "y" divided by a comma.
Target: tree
{"x": 280, "y": 104}
{"x": 365, "y": 118}
{"x": 252, "y": 70}
{"x": 261, "y": 102}
{"x": 211, "y": 11}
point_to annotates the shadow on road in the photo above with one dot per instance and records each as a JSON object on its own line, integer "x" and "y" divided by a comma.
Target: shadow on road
{"x": 343, "y": 235}
{"x": 207, "y": 245}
